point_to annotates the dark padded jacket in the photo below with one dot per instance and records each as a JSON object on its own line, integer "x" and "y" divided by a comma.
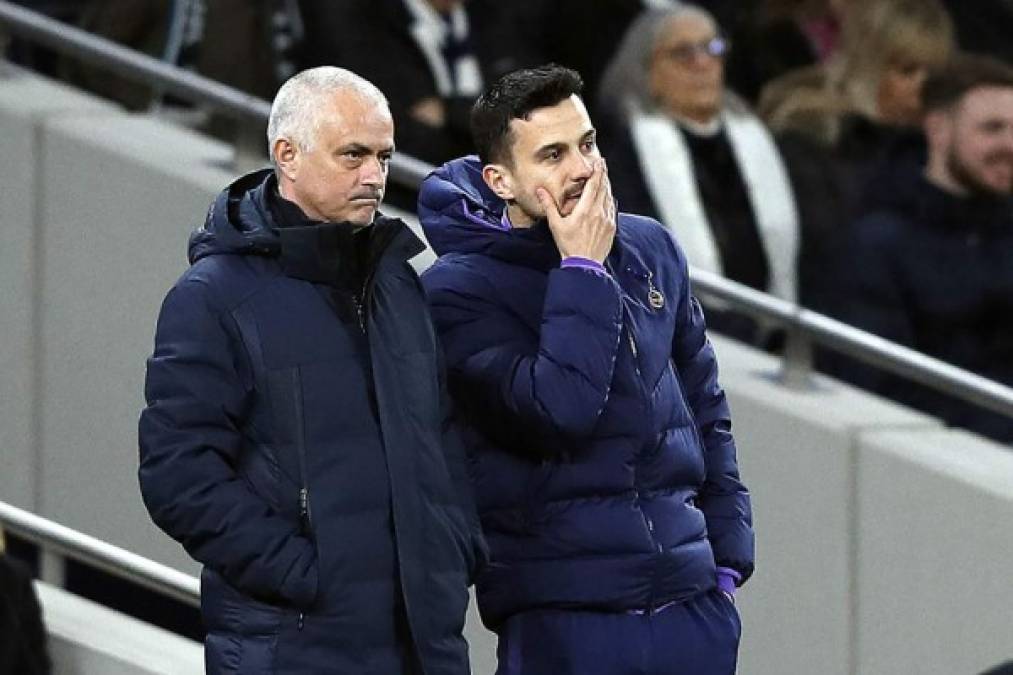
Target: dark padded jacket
{"x": 301, "y": 451}
{"x": 600, "y": 439}
{"x": 934, "y": 272}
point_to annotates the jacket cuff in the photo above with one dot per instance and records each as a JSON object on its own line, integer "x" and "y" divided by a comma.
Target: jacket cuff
{"x": 584, "y": 264}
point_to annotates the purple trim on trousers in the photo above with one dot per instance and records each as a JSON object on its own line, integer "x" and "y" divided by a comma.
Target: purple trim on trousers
{"x": 584, "y": 264}
{"x": 727, "y": 579}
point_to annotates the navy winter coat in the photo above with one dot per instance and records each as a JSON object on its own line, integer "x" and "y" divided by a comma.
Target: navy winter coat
{"x": 301, "y": 455}
{"x": 600, "y": 440}
{"x": 934, "y": 272}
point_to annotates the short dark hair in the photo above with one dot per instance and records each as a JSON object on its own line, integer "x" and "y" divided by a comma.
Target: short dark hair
{"x": 515, "y": 96}
{"x": 965, "y": 72}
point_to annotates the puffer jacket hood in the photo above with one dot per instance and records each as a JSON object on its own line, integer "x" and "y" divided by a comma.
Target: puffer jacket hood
{"x": 460, "y": 214}
{"x": 239, "y": 220}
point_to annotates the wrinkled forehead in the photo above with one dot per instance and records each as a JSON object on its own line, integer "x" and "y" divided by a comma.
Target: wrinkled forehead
{"x": 347, "y": 112}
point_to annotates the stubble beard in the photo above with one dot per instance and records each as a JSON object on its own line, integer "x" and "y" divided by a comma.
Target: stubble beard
{"x": 966, "y": 177}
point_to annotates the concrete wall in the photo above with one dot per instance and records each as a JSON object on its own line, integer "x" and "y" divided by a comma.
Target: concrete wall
{"x": 86, "y": 638}
{"x": 934, "y": 554}
{"x": 797, "y": 454}
{"x": 26, "y": 104}
{"x": 881, "y": 537}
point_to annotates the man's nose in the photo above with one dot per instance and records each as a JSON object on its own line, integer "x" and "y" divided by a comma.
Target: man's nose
{"x": 373, "y": 172}
{"x": 583, "y": 166}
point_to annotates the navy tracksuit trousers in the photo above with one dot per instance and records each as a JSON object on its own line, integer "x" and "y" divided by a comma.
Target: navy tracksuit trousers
{"x": 696, "y": 637}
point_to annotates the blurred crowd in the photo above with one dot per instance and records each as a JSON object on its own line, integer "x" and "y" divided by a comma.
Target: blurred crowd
{"x": 855, "y": 156}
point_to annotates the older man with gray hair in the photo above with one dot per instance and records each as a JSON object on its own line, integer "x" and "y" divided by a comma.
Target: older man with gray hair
{"x": 296, "y": 440}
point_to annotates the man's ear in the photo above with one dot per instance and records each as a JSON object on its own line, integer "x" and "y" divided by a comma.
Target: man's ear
{"x": 286, "y": 157}
{"x": 499, "y": 180}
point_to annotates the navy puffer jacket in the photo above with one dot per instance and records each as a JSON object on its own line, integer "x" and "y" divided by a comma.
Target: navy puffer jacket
{"x": 305, "y": 459}
{"x": 600, "y": 440}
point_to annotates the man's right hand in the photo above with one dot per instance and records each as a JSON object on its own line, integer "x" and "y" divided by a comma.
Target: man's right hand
{"x": 588, "y": 230}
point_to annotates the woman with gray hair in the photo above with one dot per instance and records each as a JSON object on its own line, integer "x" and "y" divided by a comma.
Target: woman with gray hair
{"x": 685, "y": 150}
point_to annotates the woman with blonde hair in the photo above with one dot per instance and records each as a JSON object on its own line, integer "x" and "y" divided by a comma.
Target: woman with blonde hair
{"x": 836, "y": 122}
{"x": 887, "y": 49}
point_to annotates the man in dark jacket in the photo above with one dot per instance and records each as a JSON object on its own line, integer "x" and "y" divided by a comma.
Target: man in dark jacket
{"x": 601, "y": 442}
{"x": 295, "y": 440}
{"x": 931, "y": 264}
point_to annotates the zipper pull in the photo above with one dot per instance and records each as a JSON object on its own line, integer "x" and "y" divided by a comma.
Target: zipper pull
{"x": 304, "y": 508}
{"x": 654, "y": 296}
{"x": 360, "y": 313}
{"x": 302, "y": 620}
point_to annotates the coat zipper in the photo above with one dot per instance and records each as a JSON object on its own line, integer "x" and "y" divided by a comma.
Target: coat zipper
{"x": 636, "y": 490}
{"x": 635, "y": 352}
{"x": 305, "y": 518}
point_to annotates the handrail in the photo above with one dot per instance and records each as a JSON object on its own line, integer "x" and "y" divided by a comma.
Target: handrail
{"x": 858, "y": 343}
{"x": 51, "y": 536}
{"x": 69, "y": 40}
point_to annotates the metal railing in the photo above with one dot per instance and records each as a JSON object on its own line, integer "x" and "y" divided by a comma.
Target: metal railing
{"x": 803, "y": 327}
{"x": 249, "y": 111}
{"x": 55, "y": 539}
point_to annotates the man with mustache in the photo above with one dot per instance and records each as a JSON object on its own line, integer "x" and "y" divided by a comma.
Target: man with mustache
{"x": 599, "y": 438}
{"x": 931, "y": 264}
{"x": 295, "y": 440}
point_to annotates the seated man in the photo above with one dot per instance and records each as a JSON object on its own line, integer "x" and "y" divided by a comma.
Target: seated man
{"x": 601, "y": 441}
{"x": 931, "y": 264}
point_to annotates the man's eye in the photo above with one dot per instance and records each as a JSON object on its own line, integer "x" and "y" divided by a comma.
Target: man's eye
{"x": 588, "y": 146}
{"x": 553, "y": 155}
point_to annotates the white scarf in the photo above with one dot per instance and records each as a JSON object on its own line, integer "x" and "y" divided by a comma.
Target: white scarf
{"x": 668, "y": 172}
{"x": 430, "y": 33}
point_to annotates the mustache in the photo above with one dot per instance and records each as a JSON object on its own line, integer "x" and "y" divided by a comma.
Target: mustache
{"x": 574, "y": 191}
{"x": 368, "y": 194}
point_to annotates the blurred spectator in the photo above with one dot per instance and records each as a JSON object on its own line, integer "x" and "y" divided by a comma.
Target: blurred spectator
{"x": 431, "y": 58}
{"x": 984, "y": 26}
{"x": 248, "y": 45}
{"x": 24, "y": 52}
{"x": 1001, "y": 669}
{"x": 835, "y": 122}
{"x": 683, "y": 149}
{"x": 931, "y": 264}
{"x": 774, "y": 37}
{"x": 22, "y": 634}
{"x": 887, "y": 48}
{"x": 591, "y": 34}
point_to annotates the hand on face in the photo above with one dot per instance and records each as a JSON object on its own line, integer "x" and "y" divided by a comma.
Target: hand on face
{"x": 588, "y": 230}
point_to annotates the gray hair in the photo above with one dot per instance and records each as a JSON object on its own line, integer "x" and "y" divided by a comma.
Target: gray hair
{"x": 297, "y": 107}
{"x": 625, "y": 85}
